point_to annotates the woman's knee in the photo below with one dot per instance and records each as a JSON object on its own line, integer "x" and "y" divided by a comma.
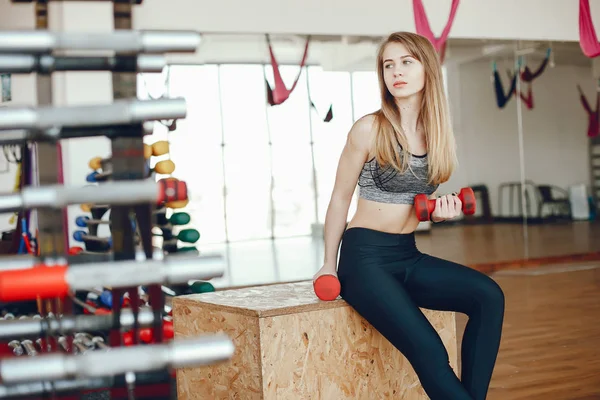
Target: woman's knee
{"x": 491, "y": 295}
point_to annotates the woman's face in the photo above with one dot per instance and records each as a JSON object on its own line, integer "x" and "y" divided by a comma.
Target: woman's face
{"x": 403, "y": 74}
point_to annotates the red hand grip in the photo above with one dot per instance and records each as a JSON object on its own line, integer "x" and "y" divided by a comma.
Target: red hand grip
{"x": 425, "y": 207}
{"x": 28, "y": 284}
{"x": 171, "y": 190}
{"x": 327, "y": 287}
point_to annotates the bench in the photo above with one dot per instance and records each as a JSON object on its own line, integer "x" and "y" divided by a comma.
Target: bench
{"x": 291, "y": 345}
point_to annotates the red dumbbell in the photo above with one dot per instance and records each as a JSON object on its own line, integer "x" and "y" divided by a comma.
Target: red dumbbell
{"x": 424, "y": 206}
{"x": 327, "y": 287}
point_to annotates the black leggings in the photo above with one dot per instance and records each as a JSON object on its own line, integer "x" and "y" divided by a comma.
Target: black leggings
{"x": 385, "y": 278}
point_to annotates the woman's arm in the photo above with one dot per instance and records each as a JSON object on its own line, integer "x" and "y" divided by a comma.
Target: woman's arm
{"x": 352, "y": 159}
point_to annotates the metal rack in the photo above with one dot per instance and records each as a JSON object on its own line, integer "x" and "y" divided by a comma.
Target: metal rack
{"x": 54, "y": 340}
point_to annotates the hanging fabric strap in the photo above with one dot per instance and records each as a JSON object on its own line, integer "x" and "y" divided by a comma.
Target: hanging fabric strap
{"x": 528, "y": 100}
{"x": 588, "y": 41}
{"x": 423, "y": 28}
{"x": 529, "y": 76}
{"x": 501, "y": 98}
{"x": 328, "y": 116}
{"x": 593, "y": 115}
{"x": 281, "y": 93}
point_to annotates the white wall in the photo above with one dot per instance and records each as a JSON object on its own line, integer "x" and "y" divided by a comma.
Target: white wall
{"x": 555, "y": 141}
{"x": 508, "y": 19}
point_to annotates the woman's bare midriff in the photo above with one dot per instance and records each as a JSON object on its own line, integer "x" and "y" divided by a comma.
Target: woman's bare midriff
{"x": 390, "y": 218}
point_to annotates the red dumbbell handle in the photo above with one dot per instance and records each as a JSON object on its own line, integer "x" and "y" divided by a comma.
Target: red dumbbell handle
{"x": 466, "y": 197}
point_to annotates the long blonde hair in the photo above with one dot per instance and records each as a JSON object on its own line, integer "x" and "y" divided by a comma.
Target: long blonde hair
{"x": 433, "y": 114}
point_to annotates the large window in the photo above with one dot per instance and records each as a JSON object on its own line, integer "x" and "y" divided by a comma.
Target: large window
{"x": 247, "y": 165}
{"x": 329, "y": 89}
{"x": 291, "y": 152}
{"x": 256, "y": 171}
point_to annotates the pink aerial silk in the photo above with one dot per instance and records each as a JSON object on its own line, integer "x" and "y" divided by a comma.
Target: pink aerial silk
{"x": 528, "y": 100}
{"x": 593, "y": 121}
{"x": 529, "y": 76}
{"x": 423, "y": 28}
{"x": 588, "y": 40}
{"x": 281, "y": 92}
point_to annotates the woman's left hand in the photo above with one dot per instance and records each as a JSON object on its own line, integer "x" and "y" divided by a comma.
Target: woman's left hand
{"x": 446, "y": 207}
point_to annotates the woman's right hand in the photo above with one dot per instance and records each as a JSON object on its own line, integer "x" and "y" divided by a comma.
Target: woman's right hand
{"x": 326, "y": 269}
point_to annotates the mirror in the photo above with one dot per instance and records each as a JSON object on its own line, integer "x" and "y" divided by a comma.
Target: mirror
{"x": 560, "y": 150}
{"x": 538, "y": 155}
{"x": 479, "y": 78}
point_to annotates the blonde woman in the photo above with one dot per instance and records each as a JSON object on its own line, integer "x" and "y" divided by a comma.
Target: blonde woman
{"x": 404, "y": 149}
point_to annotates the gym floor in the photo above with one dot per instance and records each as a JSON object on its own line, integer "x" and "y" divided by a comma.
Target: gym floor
{"x": 548, "y": 349}
{"x": 486, "y": 247}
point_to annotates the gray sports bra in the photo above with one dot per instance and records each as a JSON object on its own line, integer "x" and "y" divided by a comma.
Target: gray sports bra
{"x": 387, "y": 185}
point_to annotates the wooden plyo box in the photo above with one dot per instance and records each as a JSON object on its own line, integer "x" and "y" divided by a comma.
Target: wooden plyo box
{"x": 291, "y": 345}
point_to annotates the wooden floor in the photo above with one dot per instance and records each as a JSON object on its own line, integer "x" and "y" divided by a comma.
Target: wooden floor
{"x": 490, "y": 247}
{"x": 550, "y": 346}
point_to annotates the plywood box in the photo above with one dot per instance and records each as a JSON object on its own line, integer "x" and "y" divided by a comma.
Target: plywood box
{"x": 291, "y": 345}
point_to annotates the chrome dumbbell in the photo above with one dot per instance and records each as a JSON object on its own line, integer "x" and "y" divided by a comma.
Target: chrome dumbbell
{"x": 29, "y": 347}
{"x": 16, "y": 347}
{"x": 62, "y": 341}
{"x": 99, "y": 341}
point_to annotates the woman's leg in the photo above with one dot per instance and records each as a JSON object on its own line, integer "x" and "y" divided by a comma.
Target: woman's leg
{"x": 438, "y": 284}
{"x": 374, "y": 292}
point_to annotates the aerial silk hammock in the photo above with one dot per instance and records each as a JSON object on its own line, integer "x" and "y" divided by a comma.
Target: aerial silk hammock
{"x": 423, "y": 28}
{"x": 529, "y": 76}
{"x": 528, "y": 100}
{"x": 328, "y": 116}
{"x": 587, "y": 33}
{"x": 593, "y": 123}
{"x": 281, "y": 93}
{"x": 502, "y": 98}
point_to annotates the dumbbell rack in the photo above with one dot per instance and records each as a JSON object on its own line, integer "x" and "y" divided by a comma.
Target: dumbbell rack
{"x": 165, "y": 226}
{"x": 60, "y": 345}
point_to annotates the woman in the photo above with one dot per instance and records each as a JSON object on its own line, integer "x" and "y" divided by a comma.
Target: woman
{"x": 404, "y": 149}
